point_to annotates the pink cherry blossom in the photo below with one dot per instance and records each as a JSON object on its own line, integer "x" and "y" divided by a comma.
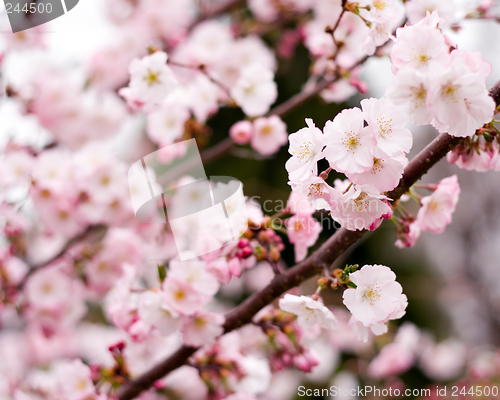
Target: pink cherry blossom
{"x": 315, "y": 189}
{"x": 202, "y": 328}
{"x": 377, "y": 297}
{"x": 241, "y": 132}
{"x": 186, "y": 382}
{"x": 388, "y": 125}
{"x": 269, "y": 134}
{"x": 255, "y": 91}
{"x": 303, "y": 232}
{"x": 309, "y": 312}
{"x": 410, "y": 92}
{"x": 411, "y": 236}
{"x": 385, "y": 173}
{"x": 151, "y": 79}
{"x": 444, "y": 361}
{"x": 360, "y": 207}
{"x": 154, "y": 310}
{"x": 166, "y": 123}
{"x": 74, "y": 380}
{"x": 420, "y": 47}
{"x": 181, "y": 296}
{"x": 460, "y": 100}
{"x": 437, "y": 209}
{"x": 195, "y": 274}
{"x": 349, "y": 144}
{"x": 305, "y": 147}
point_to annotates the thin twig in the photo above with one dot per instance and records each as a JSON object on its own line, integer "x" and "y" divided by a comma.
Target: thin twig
{"x": 92, "y": 230}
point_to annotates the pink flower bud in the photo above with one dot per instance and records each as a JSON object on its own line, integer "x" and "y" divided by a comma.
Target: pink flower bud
{"x": 244, "y": 242}
{"x": 241, "y": 132}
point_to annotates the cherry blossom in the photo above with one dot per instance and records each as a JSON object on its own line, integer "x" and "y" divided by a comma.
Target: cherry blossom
{"x": 151, "y": 79}
{"x": 437, "y": 209}
{"x": 305, "y": 147}
{"x": 303, "y": 232}
{"x": 202, "y": 328}
{"x": 315, "y": 189}
{"x": 388, "y": 125}
{"x": 410, "y": 91}
{"x": 461, "y": 92}
{"x": 377, "y": 297}
{"x": 420, "y": 47}
{"x": 349, "y": 144}
{"x": 308, "y": 311}
{"x": 360, "y": 207}
{"x": 255, "y": 90}
{"x": 269, "y": 134}
{"x": 241, "y": 132}
{"x": 154, "y": 310}
{"x": 166, "y": 124}
{"x": 385, "y": 173}
{"x": 181, "y": 296}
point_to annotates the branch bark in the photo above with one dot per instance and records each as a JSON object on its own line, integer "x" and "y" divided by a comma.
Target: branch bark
{"x": 314, "y": 264}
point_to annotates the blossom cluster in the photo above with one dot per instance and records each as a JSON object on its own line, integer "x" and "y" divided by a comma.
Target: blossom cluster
{"x": 436, "y": 86}
{"x": 372, "y": 296}
{"x": 367, "y": 145}
{"x": 91, "y": 297}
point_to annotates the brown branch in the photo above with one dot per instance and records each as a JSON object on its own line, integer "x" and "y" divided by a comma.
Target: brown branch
{"x": 311, "y": 266}
{"x": 91, "y": 231}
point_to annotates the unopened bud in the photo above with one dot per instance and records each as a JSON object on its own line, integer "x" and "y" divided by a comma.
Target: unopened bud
{"x": 275, "y": 254}
{"x": 246, "y": 252}
{"x": 153, "y": 49}
{"x": 323, "y": 282}
{"x": 261, "y": 254}
{"x": 336, "y": 273}
{"x": 244, "y": 242}
{"x": 263, "y": 236}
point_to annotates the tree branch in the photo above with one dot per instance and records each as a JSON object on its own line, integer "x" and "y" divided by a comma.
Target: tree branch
{"x": 324, "y": 256}
{"x": 92, "y": 230}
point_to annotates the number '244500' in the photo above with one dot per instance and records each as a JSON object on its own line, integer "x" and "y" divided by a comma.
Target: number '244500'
{"x": 474, "y": 391}
{"x": 33, "y": 8}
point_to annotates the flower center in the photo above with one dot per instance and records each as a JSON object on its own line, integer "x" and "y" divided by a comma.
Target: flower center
{"x": 422, "y": 59}
{"x": 434, "y": 206}
{"x": 371, "y": 293}
{"x": 267, "y": 130}
{"x": 304, "y": 151}
{"x": 450, "y": 91}
{"x": 298, "y": 225}
{"x": 351, "y": 141}
{"x": 200, "y": 322}
{"x": 377, "y": 165}
{"x": 179, "y": 295}
{"x": 152, "y": 78}
{"x": 361, "y": 203}
{"x": 419, "y": 94}
{"x": 385, "y": 126}
{"x": 379, "y": 5}
{"x": 315, "y": 190}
